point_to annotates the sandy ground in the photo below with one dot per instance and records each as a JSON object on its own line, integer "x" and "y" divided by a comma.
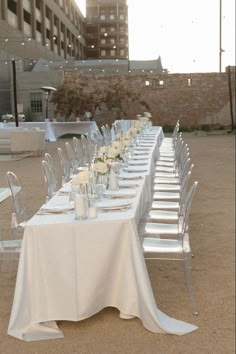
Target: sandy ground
{"x": 212, "y": 233}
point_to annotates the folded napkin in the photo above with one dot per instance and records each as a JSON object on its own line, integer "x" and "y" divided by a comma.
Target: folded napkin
{"x": 121, "y": 193}
{"x": 142, "y": 153}
{"x": 145, "y": 145}
{"x": 137, "y": 162}
{"x": 142, "y": 148}
{"x": 128, "y": 183}
{"x": 66, "y": 189}
{"x": 136, "y": 169}
{"x": 140, "y": 157}
{"x": 58, "y": 208}
{"x": 114, "y": 204}
{"x": 129, "y": 176}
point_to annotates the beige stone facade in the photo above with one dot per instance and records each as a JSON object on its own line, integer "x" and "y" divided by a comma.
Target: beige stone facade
{"x": 195, "y": 99}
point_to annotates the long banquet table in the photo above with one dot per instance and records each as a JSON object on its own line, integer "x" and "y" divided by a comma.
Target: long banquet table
{"x": 71, "y": 270}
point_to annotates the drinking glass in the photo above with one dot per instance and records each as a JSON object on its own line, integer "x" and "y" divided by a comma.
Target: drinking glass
{"x": 100, "y": 189}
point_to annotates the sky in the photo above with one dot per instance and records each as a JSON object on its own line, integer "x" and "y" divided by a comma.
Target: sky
{"x": 184, "y": 33}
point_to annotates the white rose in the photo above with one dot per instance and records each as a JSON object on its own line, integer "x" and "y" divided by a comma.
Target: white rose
{"x": 127, "y": 135}
{"x": 84, "y": 177}
{"x": 101, "y": 167}
{"x": 81, "y": 178}
{"x": 126, "y": 142}
{"x": 116, "y": 145}
{"x": 113, "y": 153}
{"x": 102, "y": 150}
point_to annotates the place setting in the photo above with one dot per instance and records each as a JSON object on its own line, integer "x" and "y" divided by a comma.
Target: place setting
{"x": 48, "y": 209}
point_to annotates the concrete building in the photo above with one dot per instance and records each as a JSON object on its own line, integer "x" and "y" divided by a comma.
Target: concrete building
{"x": 107, "y": 29}
{"x": 48, "y": 37}
{"x": 34, "y": 29}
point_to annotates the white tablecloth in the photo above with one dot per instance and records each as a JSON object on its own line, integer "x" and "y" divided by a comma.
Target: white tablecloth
{"x": 56, "y": 129}
{"x": 4, "y": 193}
{"x": 70, "y": 270}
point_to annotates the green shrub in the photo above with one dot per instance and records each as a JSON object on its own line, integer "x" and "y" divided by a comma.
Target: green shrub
{"x": 186, "y": 129}
{"x": 168, "y": 128}
{"x": 205, "y": 127}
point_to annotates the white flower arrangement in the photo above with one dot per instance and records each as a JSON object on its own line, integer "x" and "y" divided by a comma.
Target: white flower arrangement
{"x": 116, "y": 145}
{"x": 102, "y": 150}
{"x": 81, "y": 179}
{"x": 101, "y": 167}
{"x": 126, "y": 143}
{"x": 113, "y": 153}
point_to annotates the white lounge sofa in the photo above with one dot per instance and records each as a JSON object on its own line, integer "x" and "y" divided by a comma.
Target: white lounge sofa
{"x": 17, "y": 140}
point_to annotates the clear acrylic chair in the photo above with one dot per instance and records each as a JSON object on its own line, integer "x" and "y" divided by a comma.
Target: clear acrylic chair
{"x": 65, "y": 166}
{"x": 86, "y": 153}
{"x": 170, "y": 141}
{"x": 50, "y": 180}
{"x": 78, "y": 150}
{"x": 169, "y": 210}
{"x": 172, "y": 195}
{"x": 172, "y": 187}
{"x": 19, "y": 214}
{"x": 177, "y": 164}
{"x": 51, "y": 163}
{"x": 173, "y": 177}
{"x": 177, "y": 248}
{"x": 171, "y": 200}
{"x": 106, "y": 135}
{"x": 181, "y": 151}
{"x": 72, "y": 158}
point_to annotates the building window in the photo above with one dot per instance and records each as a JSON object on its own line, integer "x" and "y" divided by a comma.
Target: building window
{"x": 112, "y": 52}
{"x": 103, "y": 53}
{"x": 38, "y": 26}
{"x": 103, "y": 41}
{"x": 47, "y": 12}
{"x": 27, "y": 17}
{"x": 122, "y": 17}
{"x": 103, "y": 29}
{"x": 38, "y": 4}
{"x": 11, "y": 4}
{"x": 102, "y": 17}
{"x": 113, "y": 40}
{"x": 48, "y": 33}
{"x": 189, "y": 81}
{"x": 122, "y": 52}
{"x": 36, "y": 102}
{"x": 112, "y": 17}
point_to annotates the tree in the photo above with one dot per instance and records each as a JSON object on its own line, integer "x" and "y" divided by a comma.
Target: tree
{"x": 74, "y": 98}
{"x": 83, "y": 94}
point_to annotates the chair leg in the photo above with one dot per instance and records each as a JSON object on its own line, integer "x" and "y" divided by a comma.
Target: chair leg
{"x": 188, "y": 277}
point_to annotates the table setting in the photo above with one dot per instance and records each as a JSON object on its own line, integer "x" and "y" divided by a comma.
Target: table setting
{"x": 82, "y": 252}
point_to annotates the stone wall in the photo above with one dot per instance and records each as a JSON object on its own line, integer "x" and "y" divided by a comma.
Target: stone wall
{"x": 195, "y": 99}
